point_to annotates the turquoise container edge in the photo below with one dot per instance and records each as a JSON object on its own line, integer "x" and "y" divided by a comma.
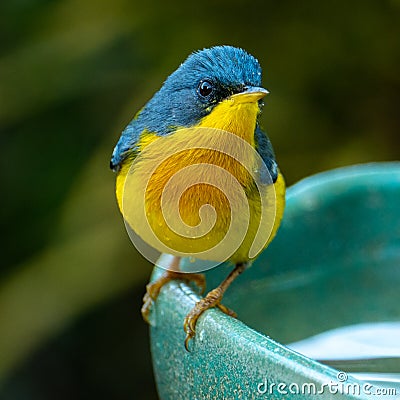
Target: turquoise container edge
{"x": 230, "y": 359}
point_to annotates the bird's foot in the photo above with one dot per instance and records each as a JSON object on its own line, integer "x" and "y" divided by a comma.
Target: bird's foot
{"x": 213, "y": 299}
{"x": 153, "y": 288}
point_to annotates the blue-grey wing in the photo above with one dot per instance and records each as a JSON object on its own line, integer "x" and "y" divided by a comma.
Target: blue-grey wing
{"x": 126, "y": 144}
{"x": 265, "y": 150}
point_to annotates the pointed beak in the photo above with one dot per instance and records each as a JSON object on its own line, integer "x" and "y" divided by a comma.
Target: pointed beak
{"x": 249, "y": 95}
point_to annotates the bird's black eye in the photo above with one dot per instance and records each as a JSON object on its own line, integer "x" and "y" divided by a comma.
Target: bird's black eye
{"x": 205, "y": 88}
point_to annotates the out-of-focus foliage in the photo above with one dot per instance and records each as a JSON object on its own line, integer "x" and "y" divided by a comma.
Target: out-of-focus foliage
{"x": 72, "y": 74}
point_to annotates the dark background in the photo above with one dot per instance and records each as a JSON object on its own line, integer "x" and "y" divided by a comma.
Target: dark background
{"x": 72, "y": 74}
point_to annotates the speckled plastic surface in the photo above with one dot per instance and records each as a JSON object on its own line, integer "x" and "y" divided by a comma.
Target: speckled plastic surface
{"x": 334, "y": 262}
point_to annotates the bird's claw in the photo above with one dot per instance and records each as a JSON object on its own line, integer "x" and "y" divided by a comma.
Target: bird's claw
{"x": 227, "y": 310}
{"x": 147, "y": 303}
{"x": 213, "y": 299}
{"x": 153, "y": 288}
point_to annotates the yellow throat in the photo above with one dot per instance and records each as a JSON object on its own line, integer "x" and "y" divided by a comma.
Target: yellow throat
{"x": 237, "y": 114}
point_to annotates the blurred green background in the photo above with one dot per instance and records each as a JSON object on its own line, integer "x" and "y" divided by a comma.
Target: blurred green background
{"x": 72, "y": 74}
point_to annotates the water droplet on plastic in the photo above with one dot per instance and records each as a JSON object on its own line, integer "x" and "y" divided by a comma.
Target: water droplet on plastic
{"x": 152, "y": 317}
{"x": 201, "y": 336}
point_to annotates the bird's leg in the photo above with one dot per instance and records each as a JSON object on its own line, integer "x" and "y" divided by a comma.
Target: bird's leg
{"x": 213, "y": 299}
{"x": 153, "y": 288}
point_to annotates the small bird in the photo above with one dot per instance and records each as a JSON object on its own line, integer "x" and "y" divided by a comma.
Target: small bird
{"x": 206, "y": 113}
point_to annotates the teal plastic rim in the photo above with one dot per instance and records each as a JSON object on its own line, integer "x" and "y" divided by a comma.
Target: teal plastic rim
{"x": 333, "y": 263}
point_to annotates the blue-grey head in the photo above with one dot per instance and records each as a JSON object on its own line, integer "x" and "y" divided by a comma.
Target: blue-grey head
{"x": 205, "y": 79}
